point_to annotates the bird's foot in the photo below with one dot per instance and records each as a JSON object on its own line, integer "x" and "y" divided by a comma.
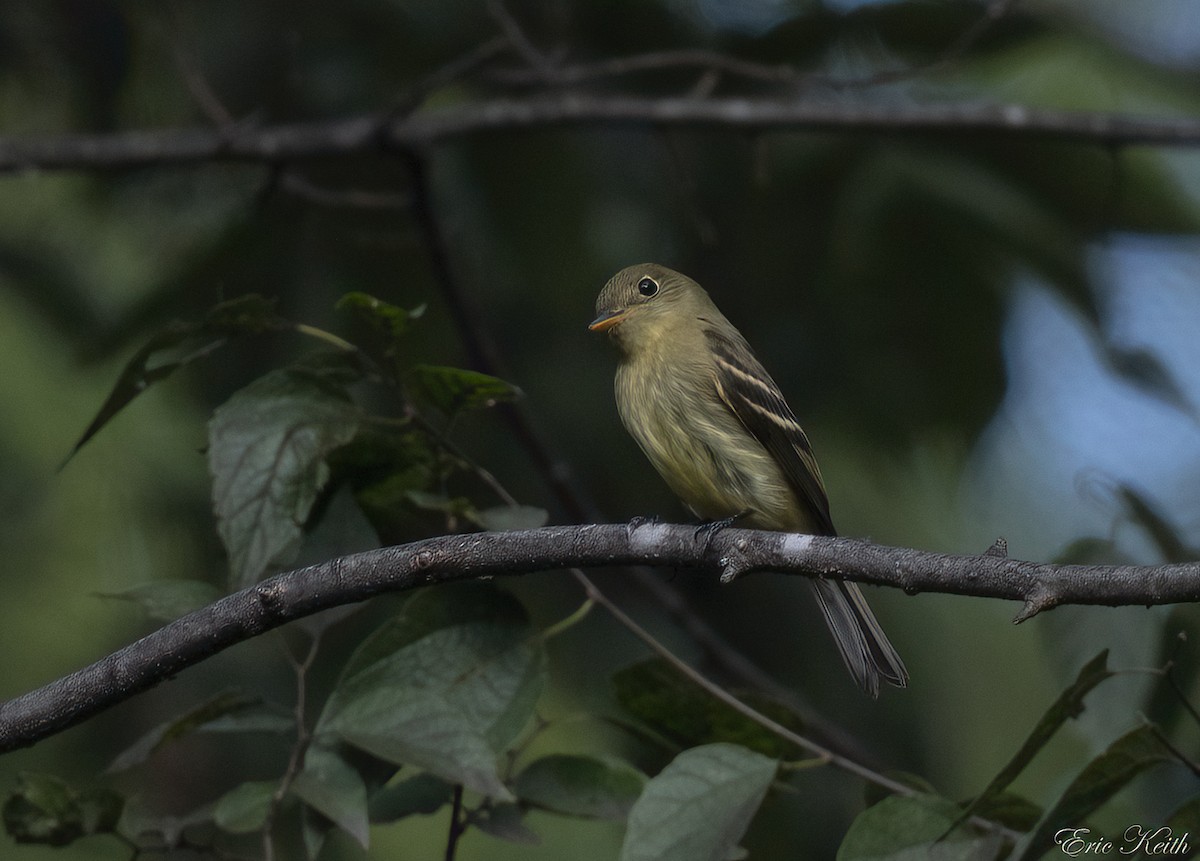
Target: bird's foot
{"x": 709, "y": 528}
{"x": 637, "y": 522}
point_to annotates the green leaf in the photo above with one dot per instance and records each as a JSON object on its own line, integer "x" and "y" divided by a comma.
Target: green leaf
{"x": 245, "y": 314}
{"x": 224, "y": 705}
{"x": 422, "y": 793}
{"x": 139, "y": 821}
{"x": 911, "y": 828}
{"x": 1011, "y": 810}
{"x": 1123, "y": 760}
{"x": 45, "y": 809}
{"x": 244, "y": 808}
{"x": 384, "y": 468}
{"x": 699, "y": 806}
{"x": 504, "y": 517}
{"x": 420, "y": 727}
{"x": 873, "y": 794}
{"x": 167, "y": 600}
{"x": 656, "y": 694}
{"x": 314, "y": 831}
{"x": 332, "y": 786}
{"x": 259, "y": 716}
{"x": 459, "y": 506}
{"x": 581, "y": 786}
{"x": 445, "y": 685}
{"x": 452, "y": 390}
{"x": 390, "y": 320}
{"x": 267, "y": 450}
{"x": 504, "y": 822}
{"x": 1068, "y": 705}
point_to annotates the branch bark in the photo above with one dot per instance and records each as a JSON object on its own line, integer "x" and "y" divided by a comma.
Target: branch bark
{"x": 365, "y": 135}
{"x": 731, "y": 553}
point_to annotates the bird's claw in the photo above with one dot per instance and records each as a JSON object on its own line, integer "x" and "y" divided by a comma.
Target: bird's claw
{"x": 711, "y": 527}
{"x": 638, "y": 521}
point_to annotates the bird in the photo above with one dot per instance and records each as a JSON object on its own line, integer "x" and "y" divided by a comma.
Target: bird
{"x": 712, "y": 422}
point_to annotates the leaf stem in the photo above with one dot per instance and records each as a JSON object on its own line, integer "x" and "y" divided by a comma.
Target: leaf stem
{"x": 570, "y": 621}
{"x": 327, "y": 337}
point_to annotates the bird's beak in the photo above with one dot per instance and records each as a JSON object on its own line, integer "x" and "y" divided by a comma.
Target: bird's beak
{"x": 608, "y": 319}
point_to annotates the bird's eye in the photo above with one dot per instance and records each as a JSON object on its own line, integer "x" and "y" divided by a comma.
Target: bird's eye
{"x": 647, "y": 287}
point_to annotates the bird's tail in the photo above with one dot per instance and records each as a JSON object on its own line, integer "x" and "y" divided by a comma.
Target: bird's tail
{"x": 865, "y": 648}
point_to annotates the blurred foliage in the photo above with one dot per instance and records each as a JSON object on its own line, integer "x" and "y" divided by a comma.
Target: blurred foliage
{"x": 896, "y": 287}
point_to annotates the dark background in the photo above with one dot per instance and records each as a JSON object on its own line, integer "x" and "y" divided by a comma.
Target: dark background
{"x": 983, "y": 335}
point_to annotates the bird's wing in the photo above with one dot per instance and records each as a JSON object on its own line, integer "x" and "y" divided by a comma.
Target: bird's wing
{"x": 750, "y": 394}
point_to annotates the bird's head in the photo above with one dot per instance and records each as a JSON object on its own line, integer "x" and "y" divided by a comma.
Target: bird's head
{"x": 647, "y": 299}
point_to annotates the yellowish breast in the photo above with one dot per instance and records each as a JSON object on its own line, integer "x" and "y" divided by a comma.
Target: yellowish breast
{"x": 699, "y": 447}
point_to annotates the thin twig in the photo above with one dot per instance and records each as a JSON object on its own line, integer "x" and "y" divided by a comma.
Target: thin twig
{"x": 369, "y": 134}
{"x": 457, "y": 824}
{"x": 994, "y": 11}
{"x": 451, "y": 72}
{"x": 197, "y": 84}
{"x": 715, "y": 62}
{"x": 686, "y": 58}
{"x": 520, "y": 42}
{"x": 299, "y": 748}
{"x": 298, "y": 186}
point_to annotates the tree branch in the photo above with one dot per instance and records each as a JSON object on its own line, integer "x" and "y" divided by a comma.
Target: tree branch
{"x": 731, "y": 552}
{"x": 362, "y": 135}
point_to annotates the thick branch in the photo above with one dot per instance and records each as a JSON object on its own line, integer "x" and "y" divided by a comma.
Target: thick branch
{"x": 732, "y": 552}
{"x": 370, "y": 134}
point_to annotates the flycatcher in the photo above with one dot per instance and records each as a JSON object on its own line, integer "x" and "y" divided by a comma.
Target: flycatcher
{"x": 716, "y": 427}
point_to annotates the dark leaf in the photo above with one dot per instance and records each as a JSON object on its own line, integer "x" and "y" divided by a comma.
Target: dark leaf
{"x": 452, "y": 390}
{"x": 1068, "y": 705}
{"x": 267, "y": 449}
{"x": 581, "y": 786}
{"x": 224, "y": 705}
{"x": 504, "y": 822}
{"x": 389, "y": 320}
{"x": 658, "y": 696}
{"x": 444, "y": 685}
{"x": 45, "y": 809}
{"x": 138, "y": 821}
{"x": 915, "y": 828}
{"x": 314, "y": 831}
{"x": 244, "y": 808}
{"x": 873, "y": 793}
{"x": 699, "y": 806}
{"x": 332, "y": 786}
{"x": 246, "y": 314}
{"x": 422, "y": 793}
{"x": 1123, "y": 760}
{"x": 1011, "y": 810}
{"x": 167, "y": 600}
{"x": 254, "y": 717}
